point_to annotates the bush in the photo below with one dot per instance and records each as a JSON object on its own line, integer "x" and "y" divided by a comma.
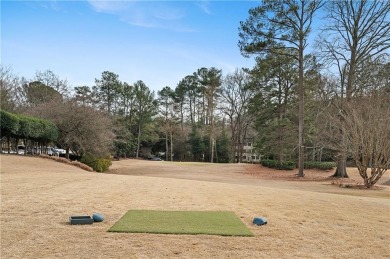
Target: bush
{"x": 98, "y": 164}
{"x": 82, "y": 166}
{"x": 319, "y": 165}
{"x": 287, "y": 165}
{"x": 9, "y": 123}
{"x": 69, "y": 162}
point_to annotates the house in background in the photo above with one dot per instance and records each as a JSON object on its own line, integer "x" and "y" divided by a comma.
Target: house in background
{"x": 248, "y": 154}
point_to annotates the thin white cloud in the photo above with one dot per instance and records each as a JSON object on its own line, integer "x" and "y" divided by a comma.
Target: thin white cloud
{"x": 53, "y": 5}
{"x": 110, "y": 6}
{"x": 204, "y": 6}
{"x": 165, "y": 13}
{"x": 146, "y": 14}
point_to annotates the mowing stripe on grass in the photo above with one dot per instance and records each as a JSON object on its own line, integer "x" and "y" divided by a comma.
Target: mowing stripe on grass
{"x": 224, "y": 223}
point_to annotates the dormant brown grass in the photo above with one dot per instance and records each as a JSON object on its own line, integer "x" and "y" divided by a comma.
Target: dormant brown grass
{"x": 306, "y": 219}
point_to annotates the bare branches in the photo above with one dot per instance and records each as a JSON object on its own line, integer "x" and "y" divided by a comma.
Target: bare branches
{"x": 81, "y": 128}
{"x": 235, "y": 98}
{"x": 356, "y": 32}
{"x": 52, "y": 80}
{"x": 367, "y": 121}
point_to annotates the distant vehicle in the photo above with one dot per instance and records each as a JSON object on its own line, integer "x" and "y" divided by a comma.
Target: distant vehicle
{"x": 5, "y": 151}
{"x": 60, "y": 151}
{"x": 54, "y": 151}
{"x": 21, "y": 149}
{"x": 154, "y": 158}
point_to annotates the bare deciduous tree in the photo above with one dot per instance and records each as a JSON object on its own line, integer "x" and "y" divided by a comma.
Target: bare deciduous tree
{"x": 235, "y": 98}
{"x": 367, "y": 134}
{"x": 52, "y": 80}
{"x": 356, "y": 33}
{"x": 80, "y": 128}
{"x": 11, "y": 89}
{"x": 8, "y": 82}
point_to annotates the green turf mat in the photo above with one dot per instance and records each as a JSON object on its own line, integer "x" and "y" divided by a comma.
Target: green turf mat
{"x": 224, "y": 223}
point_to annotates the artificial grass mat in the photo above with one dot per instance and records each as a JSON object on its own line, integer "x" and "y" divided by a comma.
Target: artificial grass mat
{"x": 224, "y": 223}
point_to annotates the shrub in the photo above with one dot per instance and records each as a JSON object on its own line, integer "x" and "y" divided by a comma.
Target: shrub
{"x": 268, "y": 163}
{"x": 287, "y": 165}
{"x": 82, "y": 166}
{"x": 319, "y": 165}
{"x": 98, "y": 164}
{"x": 9, "y": 123}
{"x": 57, "y": 159}
{"x": 69, "y": 162}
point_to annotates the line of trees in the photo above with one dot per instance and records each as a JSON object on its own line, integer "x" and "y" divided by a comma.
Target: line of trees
{"x": 293, "y": 104}
{"x": 78, "y": 127}
{"x": 26, "y": 128}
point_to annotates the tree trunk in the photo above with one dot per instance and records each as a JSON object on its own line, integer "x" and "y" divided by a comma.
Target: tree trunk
{"x": 191, "y": 113}
{"x": 171, "y": 146}
{"x": 301, "y": 115}
{"x": 233, "y": 144}
{"x": 234, "y": 149}
{"x": 9, "y": 145}
{"x": 212, "y": 149}
{"x": 67, "y": 153}
{"x": 138, "y": 141}
{"x": 16, "y": 143}
{"x": 25, "y": 146}
{"x": 166, "y": 146}
{"x": 216, "y": 153}
{"x": 341, "y": 170}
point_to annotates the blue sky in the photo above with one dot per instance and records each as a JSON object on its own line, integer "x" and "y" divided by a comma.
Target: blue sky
{"x": 159, "y": 42}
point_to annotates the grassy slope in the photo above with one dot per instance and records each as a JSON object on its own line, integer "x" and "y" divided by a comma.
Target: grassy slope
{"x": 38, "y": 196}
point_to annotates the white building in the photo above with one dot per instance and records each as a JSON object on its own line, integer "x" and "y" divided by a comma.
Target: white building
{"x": 248, "y": 153}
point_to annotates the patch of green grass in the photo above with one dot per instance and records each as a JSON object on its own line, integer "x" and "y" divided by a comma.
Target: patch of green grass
{"x": 224, "y": 223}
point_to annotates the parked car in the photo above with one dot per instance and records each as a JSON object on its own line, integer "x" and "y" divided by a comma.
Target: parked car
{"x": 5, "y": 151}
{"x": 60, "y": 151}
{"x": 52, "y": 152}
{"x": 154, "y": 158}
{"x": 21, "y": 149}
{"x": 55, "y": 151}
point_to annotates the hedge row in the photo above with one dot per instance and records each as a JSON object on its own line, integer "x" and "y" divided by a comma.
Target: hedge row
{"x": 289, "y": 165}
{"x": 319, "y": 165}
{"x": 68, "y": 162}
{"x": 20, "y": 126}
